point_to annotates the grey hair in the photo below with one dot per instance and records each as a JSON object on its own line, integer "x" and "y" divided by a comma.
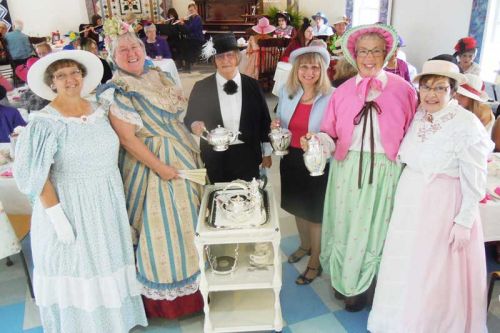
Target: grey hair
{"x": 129, "y": 35}
{"x": 18, "y": 25}
{"x": 370, "y": 35}
{"x": 149, "y": 27}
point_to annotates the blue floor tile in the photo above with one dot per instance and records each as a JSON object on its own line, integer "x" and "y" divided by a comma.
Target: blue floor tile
{"x": 299, "y": 302}
{"x": 11, "y": 318}
{"x": 325, "y": 323}
{"x": 353, "y": 322}
{"x": 290, "y": 244}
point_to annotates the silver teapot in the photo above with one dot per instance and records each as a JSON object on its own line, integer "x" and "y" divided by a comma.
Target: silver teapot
{"x": 241, "y": 202}
{"x": 314, "y": 157}
{"x": 220, "y": 138}
{"x": 280, "y": 140}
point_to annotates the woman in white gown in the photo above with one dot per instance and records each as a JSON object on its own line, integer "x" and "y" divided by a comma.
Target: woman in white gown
{"x": 433, "y": 271}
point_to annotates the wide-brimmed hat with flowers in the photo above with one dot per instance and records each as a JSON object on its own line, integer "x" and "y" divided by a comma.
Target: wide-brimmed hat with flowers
{"x": 441, "y": 68}
{"x": 88, "y": 60}
{"x": 263, "y": 26}
{"x": 340, "y": 19}
{"x": 351, "y": 37}
{"x": 473, "y": 88}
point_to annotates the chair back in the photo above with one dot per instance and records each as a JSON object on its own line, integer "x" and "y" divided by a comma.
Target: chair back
{"x": 270, "y": 51}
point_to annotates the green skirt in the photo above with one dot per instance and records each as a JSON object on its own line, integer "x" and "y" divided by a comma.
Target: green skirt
{"x": 355, "y": 221}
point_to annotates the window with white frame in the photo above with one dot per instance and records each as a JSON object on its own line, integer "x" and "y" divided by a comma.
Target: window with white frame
{"x": 365, "y": 12}
{"x": 490, "y": 61}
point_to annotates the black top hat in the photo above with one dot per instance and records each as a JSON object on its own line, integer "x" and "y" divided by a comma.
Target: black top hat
{"x": 225, "y": 42}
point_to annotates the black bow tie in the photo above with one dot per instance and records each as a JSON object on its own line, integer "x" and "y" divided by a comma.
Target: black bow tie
{"x": 230, "y": 87}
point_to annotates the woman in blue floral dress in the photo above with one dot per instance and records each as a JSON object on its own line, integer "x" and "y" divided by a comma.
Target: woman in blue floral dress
{"x": 67, "y": 162}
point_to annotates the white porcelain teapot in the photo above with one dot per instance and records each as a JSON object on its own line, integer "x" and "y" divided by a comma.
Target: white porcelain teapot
{"x": 314, "y": 157}
{"x": 220, "y": 138}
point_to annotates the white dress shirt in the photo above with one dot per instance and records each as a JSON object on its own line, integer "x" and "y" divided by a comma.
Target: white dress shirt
{"x": 230, "y": 107}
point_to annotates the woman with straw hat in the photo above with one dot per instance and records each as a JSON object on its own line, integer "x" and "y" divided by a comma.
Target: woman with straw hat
{"x": 433, "y": 271}
{"x": 67, "y": 163}
{"x": 364, "y": 122}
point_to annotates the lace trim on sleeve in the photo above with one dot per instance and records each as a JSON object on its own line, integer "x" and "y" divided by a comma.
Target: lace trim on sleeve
{"x": 126, "y": 116}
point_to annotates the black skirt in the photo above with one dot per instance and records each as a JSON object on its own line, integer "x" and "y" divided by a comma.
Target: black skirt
{"x": 301, "y": 194}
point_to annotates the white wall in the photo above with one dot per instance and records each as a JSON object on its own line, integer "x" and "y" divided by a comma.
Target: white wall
{"x": 430, "y": 27}
{"x": 42, "y": 17}
{"x": 331, "y": 8}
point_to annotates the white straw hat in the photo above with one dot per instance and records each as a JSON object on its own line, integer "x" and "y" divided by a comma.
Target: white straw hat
{"x": 89, "y": 60}
{"x": 442, "y": 68}
{"x": 473, "y": 88}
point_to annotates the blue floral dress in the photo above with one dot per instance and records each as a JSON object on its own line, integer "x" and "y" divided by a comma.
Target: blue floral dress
{"x": 89, "y": 285}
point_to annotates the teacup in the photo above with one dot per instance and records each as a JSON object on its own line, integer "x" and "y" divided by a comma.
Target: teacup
{"x": 261, "y": 259}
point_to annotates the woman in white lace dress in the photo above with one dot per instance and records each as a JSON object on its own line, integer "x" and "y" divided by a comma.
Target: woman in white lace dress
{"x": 67, "y": 162}
{"x": 433, "y": 270}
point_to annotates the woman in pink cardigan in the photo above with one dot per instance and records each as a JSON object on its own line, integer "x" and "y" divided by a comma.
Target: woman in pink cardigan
{"x": 363, "y": 124}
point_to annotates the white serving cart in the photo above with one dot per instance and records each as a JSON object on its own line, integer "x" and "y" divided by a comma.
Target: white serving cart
{"x": 247, "y": 299}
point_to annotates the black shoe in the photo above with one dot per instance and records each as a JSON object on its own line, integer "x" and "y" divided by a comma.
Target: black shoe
{"x": 298, "y": 254}
{"x": 338, "y": 295}
{"x": 355, "y": 303}
{"x": 302, "y": 279}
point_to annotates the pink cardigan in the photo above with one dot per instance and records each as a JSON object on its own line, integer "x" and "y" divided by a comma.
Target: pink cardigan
{"x": 398, "y": 102}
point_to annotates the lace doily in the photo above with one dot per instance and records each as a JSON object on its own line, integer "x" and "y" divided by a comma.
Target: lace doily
{"x": 170, "y": 294}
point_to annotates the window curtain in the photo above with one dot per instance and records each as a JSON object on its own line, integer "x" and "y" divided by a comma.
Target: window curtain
{"x": 477, "y": 22}
{"x": 384, "y": 10}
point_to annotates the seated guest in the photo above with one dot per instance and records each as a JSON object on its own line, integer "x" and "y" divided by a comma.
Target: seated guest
{"x": 4, "y": 54}
{"x": 263, "y": 29}
{"x": 191, "y": 45}
{"x": 321, "y": 28}
{"x": 340, "y": 25}
{"x": 302, "y": 38}
{"x": 10, "y": 118}
{"x": 495, "y": 135}
{"x": 18, "y": 44}
{"x": 433, "y": 269}
{"x": 284, "y": 29}
{"x": 156, "y": 46}
{"x": 343, "y": 72}
{"x": 471, "y": 97}
{"x": 236, "y": 102}
{"x": 398, "y": 66}
{"x": 42, "y": 49}
{"x": 90, "y": 45}
{"x": 465, "y": 51}
{"x": 74, "y": 41}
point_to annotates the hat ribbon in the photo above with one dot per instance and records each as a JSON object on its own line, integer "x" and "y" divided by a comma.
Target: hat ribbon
{"x": 367, "y": 84}
{"x": 471, "y": 89}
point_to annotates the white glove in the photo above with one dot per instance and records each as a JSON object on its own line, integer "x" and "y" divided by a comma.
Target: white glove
{"x": 61, "y": 224}
{"x": 459, "y": 237}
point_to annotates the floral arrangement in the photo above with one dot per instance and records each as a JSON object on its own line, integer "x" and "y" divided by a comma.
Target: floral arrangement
{"x": 113, "y": 28}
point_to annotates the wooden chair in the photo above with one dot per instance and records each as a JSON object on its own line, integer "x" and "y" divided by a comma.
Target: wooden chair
{"x": 270, "y": 51}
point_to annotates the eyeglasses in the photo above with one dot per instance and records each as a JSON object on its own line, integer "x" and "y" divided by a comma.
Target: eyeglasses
{"x": 439, "y": 90}
{"x": 376, "y": 53}
{"x": 63, "y": 76}
{"x": 229, "y": 55}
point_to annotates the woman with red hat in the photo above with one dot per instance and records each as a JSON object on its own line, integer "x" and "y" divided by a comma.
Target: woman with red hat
{"x": 465, "y": 51}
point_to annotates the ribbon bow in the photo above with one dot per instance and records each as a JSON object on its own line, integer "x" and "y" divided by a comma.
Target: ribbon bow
{"x": 367, "y": 84}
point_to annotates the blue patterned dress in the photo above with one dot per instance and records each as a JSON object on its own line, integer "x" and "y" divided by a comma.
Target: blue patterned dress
{"x": 89, "y": 285}
{"x": 162, "y": 213}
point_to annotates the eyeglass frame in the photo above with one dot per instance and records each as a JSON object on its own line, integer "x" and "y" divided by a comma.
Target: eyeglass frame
{"x": 382, "y": 53}
{"x": 439, "y": 90}
{"x": 64, "y": 76}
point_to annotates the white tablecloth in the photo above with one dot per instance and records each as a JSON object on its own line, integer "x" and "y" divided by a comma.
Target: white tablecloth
{"x": 168, "y": 65}
{"x": 281, "y": 76}
{"x": 490, "y": 213}
{"x": 14, "y": 202}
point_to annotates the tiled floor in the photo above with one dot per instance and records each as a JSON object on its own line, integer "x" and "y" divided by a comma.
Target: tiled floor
{"x": 306, "y": 309}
